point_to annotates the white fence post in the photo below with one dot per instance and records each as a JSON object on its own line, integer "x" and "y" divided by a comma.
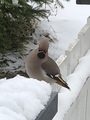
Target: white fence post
{"x": 78, "y": 48}
{"x": 62, "y": 63}
{"x": 73, "y": 54}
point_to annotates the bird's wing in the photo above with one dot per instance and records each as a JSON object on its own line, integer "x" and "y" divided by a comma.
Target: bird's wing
{"x": 52, "y": 70}
{"x": 50, "y": 67}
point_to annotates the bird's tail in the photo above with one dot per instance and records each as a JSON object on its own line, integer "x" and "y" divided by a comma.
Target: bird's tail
{"x": 61, "y": 82}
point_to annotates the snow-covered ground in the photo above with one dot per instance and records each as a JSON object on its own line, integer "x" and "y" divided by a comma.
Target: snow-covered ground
{"x": 22, "y": 98}
{"x": 65, "y": 26}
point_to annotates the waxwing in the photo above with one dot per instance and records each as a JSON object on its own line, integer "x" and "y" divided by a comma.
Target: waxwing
{"x": 41, "y": 67}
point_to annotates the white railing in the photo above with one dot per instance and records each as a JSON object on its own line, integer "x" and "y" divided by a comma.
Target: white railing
{"x": 80, "y": 109}
{"x": 76, "y": 50}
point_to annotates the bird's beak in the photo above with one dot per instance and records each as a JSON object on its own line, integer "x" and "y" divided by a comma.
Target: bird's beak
{"x": 60, "y": 81}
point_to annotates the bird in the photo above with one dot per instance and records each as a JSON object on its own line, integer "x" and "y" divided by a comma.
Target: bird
{"x": 40, "y": 66}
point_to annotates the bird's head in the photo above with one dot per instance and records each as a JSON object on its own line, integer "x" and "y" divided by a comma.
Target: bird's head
{"x": 43, "y": 48}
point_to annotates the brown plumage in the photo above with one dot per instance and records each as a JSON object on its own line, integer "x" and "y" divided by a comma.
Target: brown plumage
{"x": 40, "y": 66}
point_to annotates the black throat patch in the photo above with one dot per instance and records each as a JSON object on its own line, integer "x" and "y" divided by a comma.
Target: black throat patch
{"x": 41, "y": 54}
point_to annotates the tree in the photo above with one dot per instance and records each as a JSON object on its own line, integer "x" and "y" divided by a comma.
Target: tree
{"x": 16, "y": 21}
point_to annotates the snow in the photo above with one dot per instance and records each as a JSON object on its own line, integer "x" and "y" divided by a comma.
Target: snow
{"x": 64, "y": 27}
{"x": 76, "y": 81}
{"x": 23, "y": 98}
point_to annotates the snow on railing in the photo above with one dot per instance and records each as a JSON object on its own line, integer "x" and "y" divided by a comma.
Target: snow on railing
{"x": 79, "y": 110}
